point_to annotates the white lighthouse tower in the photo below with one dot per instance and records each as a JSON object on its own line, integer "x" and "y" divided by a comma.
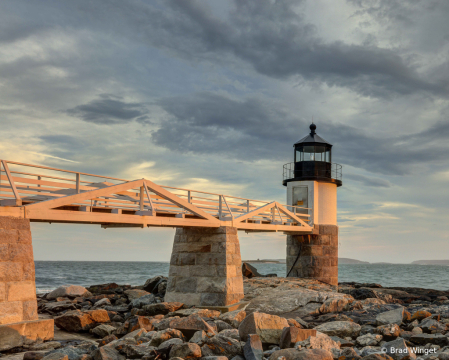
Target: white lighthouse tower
{"x": 312, "y": 181}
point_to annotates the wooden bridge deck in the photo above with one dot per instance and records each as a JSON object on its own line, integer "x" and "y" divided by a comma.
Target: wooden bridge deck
{"x": 46, "y": 194}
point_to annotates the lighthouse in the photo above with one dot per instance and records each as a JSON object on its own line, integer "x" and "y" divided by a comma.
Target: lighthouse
{"x": 312, "y": 181}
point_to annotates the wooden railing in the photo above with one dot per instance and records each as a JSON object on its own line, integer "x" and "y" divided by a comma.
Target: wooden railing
{"x": 25, "y": 185}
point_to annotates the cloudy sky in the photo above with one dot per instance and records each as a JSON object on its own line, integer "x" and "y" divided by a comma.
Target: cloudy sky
{"x": 211, "y": 95}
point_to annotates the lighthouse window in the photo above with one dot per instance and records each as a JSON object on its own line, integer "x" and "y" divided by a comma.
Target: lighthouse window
{"x": 328, "y": 155}
{"x": 320, "y": 153}
{"x": 299, "y": 155}
{"x": 309, "y": 153}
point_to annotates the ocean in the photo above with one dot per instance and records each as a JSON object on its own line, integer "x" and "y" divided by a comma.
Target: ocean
{"x": 51, "y": 274}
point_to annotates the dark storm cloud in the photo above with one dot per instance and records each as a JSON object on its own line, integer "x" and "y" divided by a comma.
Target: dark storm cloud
{"x": 255, "y": 129}
{"x": 368, "y": 181}
{"x": 109, "y": 110}
{"x": 271, "y": 36}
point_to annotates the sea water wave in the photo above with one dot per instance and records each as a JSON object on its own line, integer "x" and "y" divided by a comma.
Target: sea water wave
{"x": 51, "y": 274}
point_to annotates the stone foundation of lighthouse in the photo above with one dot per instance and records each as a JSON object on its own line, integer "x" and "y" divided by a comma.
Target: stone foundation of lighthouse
{"x": 314, "y": 255}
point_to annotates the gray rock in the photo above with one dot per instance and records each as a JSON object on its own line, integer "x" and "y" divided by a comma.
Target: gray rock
{"x": 133, "y": 294}
{"x": 428, "y": 325}
{"x": 218, "y": 358}
{"x": 306, "y": 354}
{"x": 422, "y": 339}
{"x": 185, "y": 351}
{"x": 49, "y": 345}
{"x": 232, "y": 333}
{"x": 73, "y": 353}
{"x": 398, "y": 350}
{"x": 142, "y": 301}
{"x": 56, "y": 356}
{"x": 395, "y": 316}
{"x": 137, "y": 351}
{"x": 170, "y": 342}
{"x": 220, "y": 345}
{"x": 58, "y": 306}
{"x": 107, "y": 353}
{"x": 102, "y": 302}
{"x": 164, "y": 335}
{"x": 340, "y": 328}
{"x": 253, "y": 348}
{"x": 369, "y": 340}
{"x": 103, "y": 330}
{"x": 70, "y": 291}
{"x": 199, "y": 338}
{"x": 268, "y": 327}
{"x": 221, "y": 325}
{"x": 233, "y": 318}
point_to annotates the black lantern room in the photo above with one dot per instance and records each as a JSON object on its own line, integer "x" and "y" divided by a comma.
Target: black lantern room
{"x": 313, "y": 161}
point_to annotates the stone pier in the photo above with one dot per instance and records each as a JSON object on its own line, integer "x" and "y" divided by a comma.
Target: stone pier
{"x": 319, "y": 254}
{"x": 19, "y": 322}
{"x": 205, "y": 268}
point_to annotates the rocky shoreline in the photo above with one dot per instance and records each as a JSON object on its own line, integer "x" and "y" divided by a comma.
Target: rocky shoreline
{"x": 284, "y": 319}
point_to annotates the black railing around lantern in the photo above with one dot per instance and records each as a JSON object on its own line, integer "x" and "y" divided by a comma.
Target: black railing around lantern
{"x": 312, "y": 170}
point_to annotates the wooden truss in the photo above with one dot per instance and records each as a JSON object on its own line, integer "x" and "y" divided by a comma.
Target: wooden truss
{"x": 47, "y": 198}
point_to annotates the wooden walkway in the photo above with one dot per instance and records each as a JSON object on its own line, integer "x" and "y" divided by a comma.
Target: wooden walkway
{"x": 47, "y": 194}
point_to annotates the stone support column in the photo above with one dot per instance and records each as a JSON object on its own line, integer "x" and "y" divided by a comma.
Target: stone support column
{"x": 205, "y": 267}
{"x": 319, "y": 254}
{"x": 19, "y": 323}
{"x": 17, "y": 286}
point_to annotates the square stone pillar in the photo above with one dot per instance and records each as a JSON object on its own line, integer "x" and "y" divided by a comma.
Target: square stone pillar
{"x": 319, "y": 254}
{"x": 205, "y": 267}
{"x": 19, "y": 323}
{"x": 17, "y": 286}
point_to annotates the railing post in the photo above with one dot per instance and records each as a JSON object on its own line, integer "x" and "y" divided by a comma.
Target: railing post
{"x": 220, "y": 207}
{"x": 273, "y": 214}
{"x": 188, "y": 196}
{"x": 78, "y": 175}
{"x": 141, "y": 198}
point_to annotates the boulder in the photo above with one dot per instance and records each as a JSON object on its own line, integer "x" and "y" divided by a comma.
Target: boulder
{"x": 348, "y": 354}
{"x": 56, "y": 356}
{"x": 199, "y": 337}
{"x": 268, "y": 327}
{"x": 221, "y": 325}
{"x": 106, "y": 340}
{"x": 56, "y": 307}
{"x": 103, "y": 330}
{"x": 109, "y": 288}
{"x": 33, "y": 355}
{"x": 335, "y": 305}
{"x": 204, "y": 313}
{"x": 250, "y": 271}
{"x": 107, "y": 353}
{"x": 291, "y": 335}
{"x": 287, "y": 299}
{"x": 232, "y": 333}
{"x": 377, "y": 357}
{"x": 76, "y": 320}
{"x": 191, "y": 324}
{"x": 398, "y": 350}
{"x": 49, "y": 345}
{"x": 233, "y": 318}
{"x": 420, "y": 315}
{"x": 340, "y": 328}
{"x": 169, "y": 343}
{"x": 389, "y": 332}
{"x": 395, "y": 316}
{"x": 320, "y": 341}
{"x": 220, "y": 345}
{"x": 152, "y": 284}
{"x": 369, "y": 340}
{"x": 164, "y": 335}
{"x": 74, "y": 353}
{"x": 102, "y": 302}
{"x": 161, "y": 308}
{"x": 429, "y": 325}
{"x": 423, "y": 339}
{"x": 185, "y": 351}
{"x": 306, "y": 354}
{"x": 136, "y": 351}
{"x": 252, "y": 349}
{"x": 134, "y": 294}
{"x": 70, "y": 291}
